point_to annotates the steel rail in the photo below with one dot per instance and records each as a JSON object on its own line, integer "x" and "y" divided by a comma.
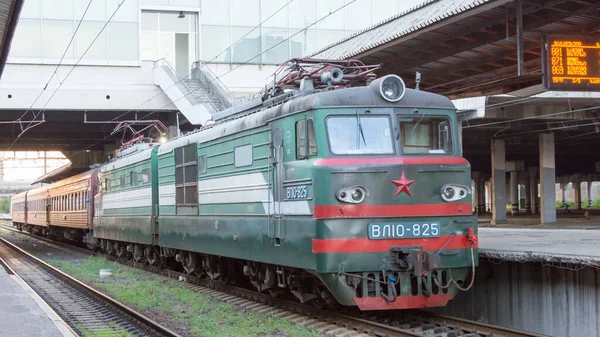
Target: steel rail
{"x": 133, "y": 314}
{"x": 384, "y": 324}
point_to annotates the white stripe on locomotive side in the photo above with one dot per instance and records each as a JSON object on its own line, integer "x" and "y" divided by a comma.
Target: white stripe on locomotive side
{"x": 127, "y": 199}
{"x": 244, "y": 188}
{"x": 250, "y": 187}
{"x": 166, "y": 195}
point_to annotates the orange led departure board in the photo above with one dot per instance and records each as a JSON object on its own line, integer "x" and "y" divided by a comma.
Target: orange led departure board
{"x": 571, "y": 64}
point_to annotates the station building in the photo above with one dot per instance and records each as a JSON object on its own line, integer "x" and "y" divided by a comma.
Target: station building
{"x": 116, "y": 65}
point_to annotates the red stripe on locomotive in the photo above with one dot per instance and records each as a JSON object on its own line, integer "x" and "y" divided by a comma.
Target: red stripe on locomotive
{"x": 341, "y": 161}
{"x": 371, "y": 211}
{"x": 365, "y": 245}
{"x": 403, "y": 302}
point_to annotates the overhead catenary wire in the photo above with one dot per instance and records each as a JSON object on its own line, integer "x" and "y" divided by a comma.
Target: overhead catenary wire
{"x": 233, "y": 69}
{"x": 532, "y": 117}
{"x": 551, "y": 129}
{"x": 69, "y": 73}
{"x": 54, "y": 73}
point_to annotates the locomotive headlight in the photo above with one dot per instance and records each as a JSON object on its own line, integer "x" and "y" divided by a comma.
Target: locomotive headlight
{"x": 392, "y": 88}
{"x": 453, "y": 192}
{"x": 352, "y": 195}
{"x": 358, "y": 195}
{"x": 449, "y": 193}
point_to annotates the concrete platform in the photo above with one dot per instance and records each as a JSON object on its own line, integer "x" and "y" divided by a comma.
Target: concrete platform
{"x": 556, "y": 246}
{"x": 571, "y": 220}
{"x": 24, "y": 314}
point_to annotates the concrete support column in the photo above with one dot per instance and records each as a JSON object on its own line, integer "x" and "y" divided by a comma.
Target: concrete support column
{"x": 488, "y": 193}
{"x": 481, "y": 206}
{"x": 173, "y": 130}
{"x": 589, "y": 193}
{"x": 533, "y": 194}
{"x": 563, "y": 190}
{"x": 476, "y": 196}
{"x": 479, "y": 200}
{"x": 527, "y": 196}
{"x": 547, "y": 179}
{"x": 498, "y": 181}
{"x": 538, "y": 199}
{"x": 514, "y": 192}
{"x": 577, "y": 187}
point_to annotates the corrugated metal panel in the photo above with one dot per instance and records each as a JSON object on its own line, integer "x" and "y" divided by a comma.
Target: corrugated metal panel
{"x": 555, "y": 301}
{"x": 5, "y": 12}
{"x": 37, "y": 218}
{"x": 73, "y": 219}
{"x": 530, "y": 91}
{"x": 429, "y": 13}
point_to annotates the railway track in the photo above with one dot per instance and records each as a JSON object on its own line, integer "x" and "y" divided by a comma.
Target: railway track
{"x": 85, "y": 310}
{"x": 326, "y": 322}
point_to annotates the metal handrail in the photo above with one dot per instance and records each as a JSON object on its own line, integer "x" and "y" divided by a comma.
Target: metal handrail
{"x": 163, "y": 62}
{"x": 213, "y": 84}
{"x": 199, "y": 64}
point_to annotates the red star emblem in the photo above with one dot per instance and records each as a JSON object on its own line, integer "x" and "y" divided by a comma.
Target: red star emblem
{"x": 403, "y": 184}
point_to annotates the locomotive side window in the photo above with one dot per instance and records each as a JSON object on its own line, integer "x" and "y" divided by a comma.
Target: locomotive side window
{"x": 360, "y": 134}
{"x": 186, "y": 176}
{"x": 146, "y": 175}
{"x": 202, "y": 164}
{"x": 306, "y": 143}
{"x": 133, "y": 179}
{"x": 123, "y": 181}
{"x": 242, "y": 155}
{"x": 426, "y": 135}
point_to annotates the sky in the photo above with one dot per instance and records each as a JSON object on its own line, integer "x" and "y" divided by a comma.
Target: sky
{"x": 27, "y": 166}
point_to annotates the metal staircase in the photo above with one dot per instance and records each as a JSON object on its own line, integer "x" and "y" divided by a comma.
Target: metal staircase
{"x": 198, "y": 97}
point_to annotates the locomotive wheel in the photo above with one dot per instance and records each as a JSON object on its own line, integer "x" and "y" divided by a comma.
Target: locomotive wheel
{"x": 190, "y": 263}
{"x": 120, "y": 250}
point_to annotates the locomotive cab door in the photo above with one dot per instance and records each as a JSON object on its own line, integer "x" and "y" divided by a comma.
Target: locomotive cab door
{"x": 275, "y": 214}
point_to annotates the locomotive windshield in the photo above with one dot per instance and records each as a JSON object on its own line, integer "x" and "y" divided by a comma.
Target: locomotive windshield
{"x": 360, "y": 134}
{"x": 426, "y": 134}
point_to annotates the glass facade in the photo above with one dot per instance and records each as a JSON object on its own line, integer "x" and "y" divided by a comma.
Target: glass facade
{"x": 172, "y": 36}
{"x": 153, "y": 29}
{"x": 46, "y": 27}
{"x": 225, "y": 22}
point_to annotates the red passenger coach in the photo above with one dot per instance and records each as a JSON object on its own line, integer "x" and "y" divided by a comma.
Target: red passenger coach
{"x": 70, "y": 202}
{"x": 37, "y": 207}
{"x": 18, "y": 205}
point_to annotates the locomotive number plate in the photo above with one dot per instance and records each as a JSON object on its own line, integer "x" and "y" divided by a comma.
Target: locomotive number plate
{"x": 378, "y": 231}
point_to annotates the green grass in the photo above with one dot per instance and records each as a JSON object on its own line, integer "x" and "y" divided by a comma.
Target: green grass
{"x": 203, "y": 315}
{"x": 6, "y": 232}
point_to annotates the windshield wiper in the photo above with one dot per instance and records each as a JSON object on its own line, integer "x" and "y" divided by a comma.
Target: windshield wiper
{"x": 360, "y": 130}
{"x": 417, "y": 124}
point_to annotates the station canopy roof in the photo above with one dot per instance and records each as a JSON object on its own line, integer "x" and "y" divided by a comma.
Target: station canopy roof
{"x": 467, "y": 48}
{"x": 9, "y": 16}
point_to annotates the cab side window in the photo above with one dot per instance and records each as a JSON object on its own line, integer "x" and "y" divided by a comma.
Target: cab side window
{"x": 306, "y": 142}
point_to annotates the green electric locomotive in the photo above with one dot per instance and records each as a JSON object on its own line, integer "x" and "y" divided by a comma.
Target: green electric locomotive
{"x": 334, "y": 188}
